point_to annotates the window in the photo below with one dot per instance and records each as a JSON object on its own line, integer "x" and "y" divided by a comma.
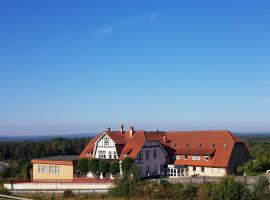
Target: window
{"x": 148, "y": 170}
{"x": 147, "y": 155}
{"x": 102, "y": 154}
{"x": 106, "y": 141}
{"x": 195, "y": 157}
{"x": 57, "y": 170}
{"x": 194, "y": 169}
{"x": 40, "y": 169}
{"x": 213, "y": 145}
{"x": 51, "y": 169}
{"x": 177, "y": 157}
{"x": 202, "y": 169}
{"x": 161, "y": 168}
{"x": 114, "y": 155}
{"x": 155, "y": 172}
{"x": 207, "y": 158}
{"x": 225, "y": 146}
{"x": 186, "y": 157}
{"x": 46, "y": 169}
{"x": 110, "y": 155}
{"x": 155, "y": 154}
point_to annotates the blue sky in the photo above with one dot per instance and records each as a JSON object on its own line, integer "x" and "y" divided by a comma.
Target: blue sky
{"x": 81, "y": 66}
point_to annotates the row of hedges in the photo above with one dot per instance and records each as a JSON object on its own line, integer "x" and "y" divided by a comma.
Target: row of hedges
{"x": 98, "y": 166}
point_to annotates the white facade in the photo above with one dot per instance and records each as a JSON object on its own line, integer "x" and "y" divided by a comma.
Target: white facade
{"x": 151, "y": 159}
{"x": 174, "y": 171}
{"x": 105, "y": 148}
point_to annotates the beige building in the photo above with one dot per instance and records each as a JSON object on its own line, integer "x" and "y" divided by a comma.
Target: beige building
{"x": 54, "y": 168}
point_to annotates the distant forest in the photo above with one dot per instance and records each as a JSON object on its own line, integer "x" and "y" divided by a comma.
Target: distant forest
{"x": 19, "y": 154}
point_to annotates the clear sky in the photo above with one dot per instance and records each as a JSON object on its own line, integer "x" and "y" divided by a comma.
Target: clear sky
{"x": 81, "y": 66}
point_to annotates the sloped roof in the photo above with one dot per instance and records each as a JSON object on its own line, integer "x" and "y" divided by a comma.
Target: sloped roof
{"x": 219, "y": 144}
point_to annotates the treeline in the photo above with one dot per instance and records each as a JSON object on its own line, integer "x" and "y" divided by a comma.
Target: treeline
{"x": 259, "y": 149}
{"x": 20, "y": 154}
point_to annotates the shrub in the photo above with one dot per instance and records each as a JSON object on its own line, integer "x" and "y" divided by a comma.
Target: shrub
{"x": 5, "y": 192}
{"x": 68, "y": 194}
{"x": 114, "y": 168}
{"x": 104, "y": 167}
{"x": 83, "y": 166}
{"x": 261, "y": 188}
{"x": 93, "y": 165}
{"x": 126, "y": 165}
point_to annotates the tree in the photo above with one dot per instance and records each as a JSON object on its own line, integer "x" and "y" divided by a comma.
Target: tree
{"x": 114, "y": 168}
{"x": 104, "y": 167}
{"x": 261, "y": 188}
{"x": 83, "y": 166}
{"x": 126, "y": 165}
{"x": 230, "y": 189}
{"x": 93, "y": 165}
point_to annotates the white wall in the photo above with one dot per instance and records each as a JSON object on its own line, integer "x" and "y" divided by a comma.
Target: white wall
{"x": 58, "y": 186}
{"x": 208, "y": 171}
{"x": 107, "y": 147}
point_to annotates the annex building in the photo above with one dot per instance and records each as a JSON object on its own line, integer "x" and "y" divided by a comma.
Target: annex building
{"x": 175, "y": 153}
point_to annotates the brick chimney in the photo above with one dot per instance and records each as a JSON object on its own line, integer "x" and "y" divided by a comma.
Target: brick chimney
{"x": 131, "y": 131}
{"x": 164, "y": 139}
{"x": 109, "y": 129}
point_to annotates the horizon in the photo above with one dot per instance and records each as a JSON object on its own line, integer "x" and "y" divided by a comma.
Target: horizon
{"x": 69, "y": 67}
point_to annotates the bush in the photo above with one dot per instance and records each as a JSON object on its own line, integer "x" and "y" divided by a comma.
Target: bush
{"x": 126, "y": 165}
{"x": 68, "y": 194}
{"x": 93, "y": 165}
{"x": 104, "y": 167}
{"x": 261, "y": 188}
{"x": 83, "y": 166}
{"x": 5, "y": 192}
{"x": 114, "y": 168}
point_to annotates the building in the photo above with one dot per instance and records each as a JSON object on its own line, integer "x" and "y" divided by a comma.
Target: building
{"x": 54, "y": 168}
{"x": 178, "y": 153}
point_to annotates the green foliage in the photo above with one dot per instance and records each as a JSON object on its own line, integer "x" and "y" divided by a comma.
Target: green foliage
{"x": 83, "y": 166}
{"x": 5, "y": 192}
{"x": 229, "y": 189}
{"x": 259, "y": 148}
{"x": 126, "y": 165}
{"x": 261, "y": 188}
{"x": 114, "y": 168}
{"x": 104, "y": 167}
{"x": 68, "y": 194}
{"x": 20, "y": 153}
{"x": 93, "y": 165}
{"x": 126, "y": 186}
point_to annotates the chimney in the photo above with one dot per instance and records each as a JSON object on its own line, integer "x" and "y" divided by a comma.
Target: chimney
{"x": 109, "y": 129}
{"x": 131, "y": 131}
{"x": 122, "y": 128}
{"x": 157, "y": 130}
{"x": 164, "y": 139}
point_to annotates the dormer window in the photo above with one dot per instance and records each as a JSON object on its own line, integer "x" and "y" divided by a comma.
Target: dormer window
{"x": 225, "y": 146}
{"x": 125, "y": 155}
{"x": 214, "y": 145}
{"x": 177, "y": 157}
{"x": 207, "y": 158}
{"x": 186, "y": 157}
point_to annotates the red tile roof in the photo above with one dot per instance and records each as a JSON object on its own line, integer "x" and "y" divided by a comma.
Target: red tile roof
{"x": 219, "y": 144}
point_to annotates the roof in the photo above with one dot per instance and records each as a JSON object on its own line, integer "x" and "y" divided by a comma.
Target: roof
{"x": 218, "y": 144}
{"x": 57, "y": 160}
